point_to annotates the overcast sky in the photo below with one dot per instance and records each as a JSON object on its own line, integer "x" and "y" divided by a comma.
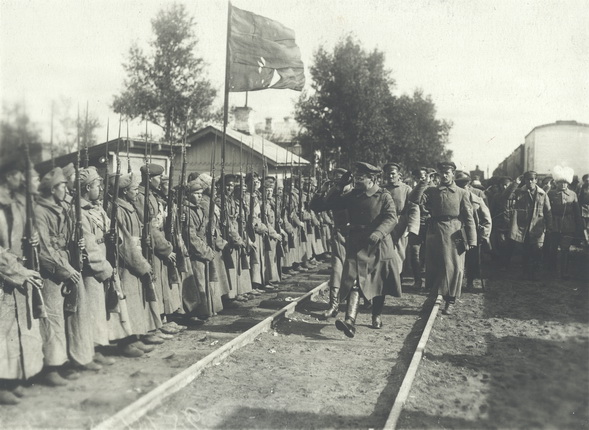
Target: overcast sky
{"x": 496, "y": 69}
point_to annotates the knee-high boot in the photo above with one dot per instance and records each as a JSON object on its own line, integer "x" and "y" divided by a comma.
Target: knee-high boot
{"x": 348, "y": 326}
{"x": 377, "y": 305}
{"x": 333, "y": 309}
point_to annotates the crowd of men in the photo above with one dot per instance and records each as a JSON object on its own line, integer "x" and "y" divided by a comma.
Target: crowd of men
{"x": 82, "y": 269}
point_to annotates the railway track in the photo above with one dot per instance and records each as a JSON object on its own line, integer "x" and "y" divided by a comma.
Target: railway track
{"x": 272, "y": 359}
{"x": 293, "y": 370}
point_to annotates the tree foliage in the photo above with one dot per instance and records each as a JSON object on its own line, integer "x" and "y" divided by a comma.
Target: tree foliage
{"x": 351, "y": 113}
{"x": 16, "y": 130}
{"x": 167, "y": 85}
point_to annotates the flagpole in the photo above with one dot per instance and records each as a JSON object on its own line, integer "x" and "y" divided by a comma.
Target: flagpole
{"x": 225, "y": 115}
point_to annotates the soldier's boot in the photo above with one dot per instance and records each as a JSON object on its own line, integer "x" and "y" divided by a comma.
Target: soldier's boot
{"x": 377, "y": 305}
{"x": 347, "y": 326}
{"x": 8, "y": 398}
{"x": 333, "y": 309}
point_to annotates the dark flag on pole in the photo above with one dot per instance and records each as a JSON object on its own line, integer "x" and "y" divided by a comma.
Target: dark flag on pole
{"x": 262, "y": 54}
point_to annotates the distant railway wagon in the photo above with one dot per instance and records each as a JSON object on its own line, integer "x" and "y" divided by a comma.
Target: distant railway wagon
{"x": 564, "y": 143}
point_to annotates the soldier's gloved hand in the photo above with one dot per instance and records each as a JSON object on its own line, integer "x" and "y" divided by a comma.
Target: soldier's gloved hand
{"x": 374, "y": 238}
{"x": 110, "y": 238}
{"x": 82, "y": 244}
{"x": 172, "y": 258}
{"x": 147, "y": 241}
{"x": 34, "y": 278}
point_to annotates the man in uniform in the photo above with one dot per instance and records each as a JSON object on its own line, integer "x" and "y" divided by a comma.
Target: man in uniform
{"x": 20, "y": 338}
{"x": 451, "y": 214}
{"x": 368, "y": 270}
{"x": 530, "y": 220}
{"x": 417, "y": 239}
{"x": 338, "y": 241}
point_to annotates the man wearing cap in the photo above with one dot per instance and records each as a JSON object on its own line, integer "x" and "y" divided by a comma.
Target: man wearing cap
{"x": 530, "y": 220}
{"x": 483, "y": 224}
{"x": 257, "y": 230}
{"x": 368, "y": 270}
{"x": 407, "y": 212}
{"x": 238, "y": 276}
{"x": 286, "y": 229}
{"x": 168, "y": 295}
{"x": 201, "y": 292}
{"x": 91, "y": 315}
{"x": 20, "y": 338}
{"x": 416, "y": 241}
{"x": 143, "y": 315}
{"x": 338, "y": 240}
{"x": 298, "y": 248}
{"x": 272, "y": 261}
{"x": 56, "y": 230}
{"x": 451, "y": 232}
{"x": 566, "y": 217}
{"x": 499, "y": 206}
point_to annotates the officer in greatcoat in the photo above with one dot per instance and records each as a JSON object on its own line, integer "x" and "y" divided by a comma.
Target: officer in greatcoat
{"x": 368, "y": 269}
{"x": 451, "y": 232}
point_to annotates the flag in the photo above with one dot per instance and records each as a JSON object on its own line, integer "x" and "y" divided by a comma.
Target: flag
{"x": 262, "y": 54}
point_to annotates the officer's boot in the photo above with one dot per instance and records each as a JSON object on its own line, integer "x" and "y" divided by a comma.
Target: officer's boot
{"x": 347, "y": 326}
{"x": 333, "y": 309}
{"x": 377, "y": 305}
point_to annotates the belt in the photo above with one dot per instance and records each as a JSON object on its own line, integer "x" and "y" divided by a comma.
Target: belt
{"x": 443, "y": 218}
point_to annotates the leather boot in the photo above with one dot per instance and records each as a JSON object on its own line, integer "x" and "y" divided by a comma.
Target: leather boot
{"x": 333, "y": 309}
{"x": 377, "y": 305}
{"x": 348, "y": 326}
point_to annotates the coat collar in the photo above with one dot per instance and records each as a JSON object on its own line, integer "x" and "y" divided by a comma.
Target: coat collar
{"x": 128, "y": 206}
{"x": 372, "y": 191}
{"x": 451, "y": 187}
{"x": 49, "y": 203}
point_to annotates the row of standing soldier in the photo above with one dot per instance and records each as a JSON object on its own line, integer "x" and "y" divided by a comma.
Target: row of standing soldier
{"x": 83, "y": 269}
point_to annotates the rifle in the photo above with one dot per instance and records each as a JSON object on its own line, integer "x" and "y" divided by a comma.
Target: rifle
{"x": 69, "y": 289}
{"x": 288, "y": 211}
{"x": 209, "y": 267}
{"x": 242, "y": 252}
{"x": 277, "y": 215}
{"x": 31, "y": 252}
{"x": 170, "y": 227}
{"x": 300, "y": 208}
{"x": 105, "y": 190}
{"x": 146, "y": 239}
{"x": 129, "y": 170}
{"x": 86, "y": 146}
{"x": 112, "y": 296}
{"x": 263, "y": 203}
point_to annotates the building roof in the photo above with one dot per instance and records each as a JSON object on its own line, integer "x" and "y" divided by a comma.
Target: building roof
{"x": 275, "y": 154}
{"x": 557, "y": 124}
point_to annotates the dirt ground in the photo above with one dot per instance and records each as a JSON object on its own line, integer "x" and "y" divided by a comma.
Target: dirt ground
{"x": 515, "y": 356}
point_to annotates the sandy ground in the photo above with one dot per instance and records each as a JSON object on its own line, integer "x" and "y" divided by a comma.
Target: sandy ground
{"x": 515, "y": 356}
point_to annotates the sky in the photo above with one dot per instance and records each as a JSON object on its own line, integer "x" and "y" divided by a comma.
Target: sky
{"x": 495, "y": 69}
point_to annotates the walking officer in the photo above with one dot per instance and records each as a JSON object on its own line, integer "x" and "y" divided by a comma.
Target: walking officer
{"x": 368, "y": 269}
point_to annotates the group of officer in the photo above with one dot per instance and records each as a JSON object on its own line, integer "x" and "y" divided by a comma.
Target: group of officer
{"x": 133, "y": 272}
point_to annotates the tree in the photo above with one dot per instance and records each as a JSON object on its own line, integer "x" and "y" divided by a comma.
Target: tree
{"x": 345, "y": 116}
{"x": 17, "y": 129}
{"x": 166, "y": 86}
{"x": 352, "y": 114}
{"x": 67, "y": 125}
{"x": 418, "y": 138}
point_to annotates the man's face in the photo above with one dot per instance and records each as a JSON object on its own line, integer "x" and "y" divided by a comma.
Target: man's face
{"x": 59, "y": 191}
{"x": 155, "y": 181}
{"x": 446, "y": 176}
{"x": 422, "y": 176}
{"x": 562, "y": 185}
{"x": 196, "y": 197}
{"x": 94, "y": 189}
{"x": 279, "y": 191}
{"x": 586, "y": 181}
{"x": 393, "y": 176}
{"x": 531, "y": 182}
{"x": 363, "y": 181}
{"x": 165, "y": 187}
{"x": 14, "y": 180}
{"x": 257, "y": 184}
{"x": 229, "y": 187}
{"x": 131, "y": 193}
{"x": 269, "y": 192}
